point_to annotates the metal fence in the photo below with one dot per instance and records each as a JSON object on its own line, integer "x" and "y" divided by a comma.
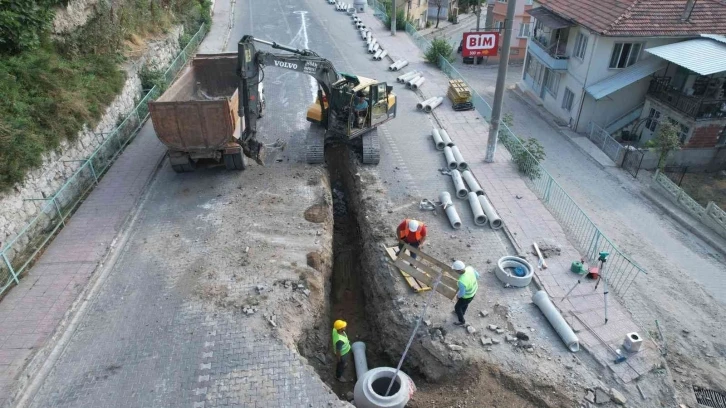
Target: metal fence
{"x": 20, "y": 252}
{"x": 602, "y": 139}
{"x": 621, "y": 270}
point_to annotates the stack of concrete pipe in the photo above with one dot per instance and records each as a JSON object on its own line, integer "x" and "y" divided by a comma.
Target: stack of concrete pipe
{"x": 405, "y": 77}
{"x": 398, "y": 65}
{"x": 428, "y": 102}
{"x": 433, "y": 105}
{"x": 417, "y": 84}
{"x": 380, "y": 55}
{"x": 415, "y": 79}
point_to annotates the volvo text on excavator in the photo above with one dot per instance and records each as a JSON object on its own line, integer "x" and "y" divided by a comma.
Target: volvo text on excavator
{"x": 348, "y": 108}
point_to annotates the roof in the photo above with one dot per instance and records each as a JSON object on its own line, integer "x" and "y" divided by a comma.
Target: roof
{"x": 704, "y": 55}
{"x": 625, "y": 77}
{"x": 643, "y": 18}
{"x": 549, "y": 19}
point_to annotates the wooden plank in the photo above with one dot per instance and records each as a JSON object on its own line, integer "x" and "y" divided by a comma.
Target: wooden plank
{"x": 447, "y": 291}
{"x": 446, "y": 268}
{"x": 445, "y": 278}
{"x": 412, "y": 282}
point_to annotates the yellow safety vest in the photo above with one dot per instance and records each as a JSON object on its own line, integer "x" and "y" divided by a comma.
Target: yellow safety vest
{"x": 468, "y": 279}
{"x": 341, "y": 337}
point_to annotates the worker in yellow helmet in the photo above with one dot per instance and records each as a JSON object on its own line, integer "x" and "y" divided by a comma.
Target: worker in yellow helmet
{"x": 341, "y": 345}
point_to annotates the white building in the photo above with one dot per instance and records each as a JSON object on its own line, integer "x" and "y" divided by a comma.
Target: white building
{"x": 603, "y": 61}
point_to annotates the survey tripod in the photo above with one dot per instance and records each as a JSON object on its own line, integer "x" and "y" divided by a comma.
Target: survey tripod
{"x": 601, "y": 277}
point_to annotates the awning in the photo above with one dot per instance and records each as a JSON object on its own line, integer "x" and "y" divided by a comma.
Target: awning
{"x": 625, "y": 77}
{"x": 704, "y": 56}
{"x": 549, "y": 19}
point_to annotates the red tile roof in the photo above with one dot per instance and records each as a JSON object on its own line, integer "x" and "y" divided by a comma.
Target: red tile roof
{"x": 643, "y": 18}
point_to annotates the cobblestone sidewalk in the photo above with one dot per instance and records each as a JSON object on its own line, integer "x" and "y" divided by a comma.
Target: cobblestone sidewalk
{"x": 527, "y": 219}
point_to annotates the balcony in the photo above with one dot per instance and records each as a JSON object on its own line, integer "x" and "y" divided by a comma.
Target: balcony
{"x": 552, "y": 55}
{"x": 696, "y": 107}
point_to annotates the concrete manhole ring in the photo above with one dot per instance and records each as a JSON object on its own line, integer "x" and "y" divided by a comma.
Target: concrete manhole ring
{"x": 504, "y": 272}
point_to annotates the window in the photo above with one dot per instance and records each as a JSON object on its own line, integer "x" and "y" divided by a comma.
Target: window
{"x": 501, "y": 1}
{"x": 651, "y": 124}
{"x": 498, "y": 25}
{"x": 580, "y": 46}
{"x": 683, "y": 130}
{"x": 625, "y": 54}
{"x": 568, "y": 99}
{"x": 552, "y": 82}
{"x": 524, "y": 30}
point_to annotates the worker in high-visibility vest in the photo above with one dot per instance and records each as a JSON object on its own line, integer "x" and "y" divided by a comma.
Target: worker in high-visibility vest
{"x": 412, "y": 232}
{"x": 341, "y": 345}
{"x": 468, "y": 286}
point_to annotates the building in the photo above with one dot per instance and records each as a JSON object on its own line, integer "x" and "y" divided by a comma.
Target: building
{"x": 443, "y": 10}
{"x": 416, "y": 11}
{"x": 618, "y": 63}
{"x": 521, "y": 28}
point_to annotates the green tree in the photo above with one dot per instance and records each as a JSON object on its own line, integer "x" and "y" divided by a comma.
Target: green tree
{"x": 666, "y": 141}
{"x": 528, "y": 157}
{"x": 439, "y": 47}
{"x": 23, "y": 23}
{"x": 400, "y": 19}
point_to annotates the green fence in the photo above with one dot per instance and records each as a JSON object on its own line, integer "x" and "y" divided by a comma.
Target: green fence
{"x": 20, "y": 252}
{"x": 620, "y": 271}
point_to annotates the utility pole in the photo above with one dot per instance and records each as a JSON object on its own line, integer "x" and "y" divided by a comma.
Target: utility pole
{"x": 490, "y": 15}
{"x": 393, "y": 17}
{"x": 478, "y": 14}
{"x": 501, "y": 77}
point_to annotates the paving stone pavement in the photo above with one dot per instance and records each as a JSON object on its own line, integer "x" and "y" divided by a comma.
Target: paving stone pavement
{"x": 31, "y": 311}
{"x": 526, "y": 218}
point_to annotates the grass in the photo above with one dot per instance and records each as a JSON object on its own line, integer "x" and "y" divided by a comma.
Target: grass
{"x": 705, "y": 187}
{"x": 51, "y": 92}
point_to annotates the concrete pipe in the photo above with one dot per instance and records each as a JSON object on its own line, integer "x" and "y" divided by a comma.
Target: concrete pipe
{"x": 376, "y": 47}
{"x": 450, "y": 160}
{"x": 460, "y": 163}
{"x": 421, "y": 104}
{"x": 445, "y": 137}
{"x": 433, "y": 105}
{"x": 395, "y": 63}
{"x": 405, "y": 77}
{"x": 479, "y": 217}
{"x": 369, "y": 390}
{"x": 440, "y": 145}
{"x": 377, "y": 54}
{"x": 471, "y": 182}
{"x": 359, "y": 358}
{"x": 370, "y": 48}
{"x": 410, "y": 82}
{"x": 461, "y": 191}
{"x": 417, "y": 84}
{"x": 400, "y": 65}
{"x": 383, "y": 55}
{"x": 507, "y": 263}
{"x": 450, "y": 210}
{"x": 373, "y": 41}
{"x": 369, "y": 41}
{"x": 494, "y": 221}
{"x": 556, "y": 320}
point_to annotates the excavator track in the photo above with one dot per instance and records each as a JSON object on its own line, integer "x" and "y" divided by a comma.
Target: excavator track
{"x": 371, "y": 147}
{"x": 315, "y": 146}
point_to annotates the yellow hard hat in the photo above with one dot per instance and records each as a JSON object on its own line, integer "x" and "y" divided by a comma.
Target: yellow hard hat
{"x": 339, "y": 324}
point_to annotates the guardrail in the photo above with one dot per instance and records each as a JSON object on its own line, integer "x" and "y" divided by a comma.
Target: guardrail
{"x": 621, "y": 270}
{"x": 20, "y": 252}
{"x": 602, "y": 139}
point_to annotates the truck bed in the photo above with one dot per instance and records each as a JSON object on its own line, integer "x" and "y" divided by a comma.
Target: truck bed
{"x": 198, "y": 112}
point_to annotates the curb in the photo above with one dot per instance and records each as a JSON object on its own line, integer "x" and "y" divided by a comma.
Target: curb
{"x": 684, "y": 221}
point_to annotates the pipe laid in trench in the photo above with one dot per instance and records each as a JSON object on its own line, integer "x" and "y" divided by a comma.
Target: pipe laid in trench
{"x": 359, "y": 358}
{"x": 461, "y": 191}
{"x": 460, "y": 163}
{"x": 445, "y": 137}
{"x": 471, "y": 182}
{"x": 494, "y": 221}
{"x": 450, "y": 160}
{"x": 421, "y": 104}
{"x": 450, "y": 210}
{"x": 433, "y": 105}
{"x": 417, "y": 84}
{"x": 440, "y": 145}
{"x": 556, "y": 320}
{"x": 479, "y": 217}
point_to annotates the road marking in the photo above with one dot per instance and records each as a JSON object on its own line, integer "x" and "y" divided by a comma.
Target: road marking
{"x": 208, "y": 355}
{"x": 203, "y": 378}
{"x": 207, "y": 366}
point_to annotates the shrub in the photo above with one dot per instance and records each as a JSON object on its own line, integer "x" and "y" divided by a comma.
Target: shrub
{"x": 152, "y": 78}
{"x": 666, "y": 140}
{"x": 528, "y": 157}
{"x": 400, "y": 19}
{"x": 439, "y": 46}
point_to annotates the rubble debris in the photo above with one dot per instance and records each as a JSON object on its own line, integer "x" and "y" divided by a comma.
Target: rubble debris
{"x": 495, "y": 341}
{"x": 492, "y": 327}
{"x": 483, "y": 313}
{"x": 499, "y": 331}
{"x": 522, "y": 335}
{"x": 470, "y": 329}
{"x": 618, "y": 397}
{"x": 590, "y": 396}
{"x": 427, "y": 322}
{"x": 510, "y": 339}
{"x": 486, "y": 341}
{"x": 349, "y": 395}
{"x": 601, "y": 397}
{"x": 306, "y": 292}
{"x": 455, "y": 347}
{"x": 548, "y": 250}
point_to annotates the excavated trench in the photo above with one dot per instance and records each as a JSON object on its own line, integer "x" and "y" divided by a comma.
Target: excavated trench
{"x": 360, "y": 292}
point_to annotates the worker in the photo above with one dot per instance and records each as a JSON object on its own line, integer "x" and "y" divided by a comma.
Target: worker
{"x": 411, "y": 232}
{"x": 361, "y": 108}
{"x": 468, "y": 286}
{"x": 341, "y": 345}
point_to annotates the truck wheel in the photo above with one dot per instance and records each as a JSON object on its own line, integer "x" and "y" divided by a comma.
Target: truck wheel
{"x": 184, "y": 168}
{"x": 235, "y": 161}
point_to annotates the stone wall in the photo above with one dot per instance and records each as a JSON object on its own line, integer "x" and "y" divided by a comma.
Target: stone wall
{"x": 58, "y": 166}
{"x": 75, "y": 14}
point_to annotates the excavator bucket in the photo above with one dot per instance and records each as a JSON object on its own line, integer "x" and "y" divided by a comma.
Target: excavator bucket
{"x": 264, "y": 154}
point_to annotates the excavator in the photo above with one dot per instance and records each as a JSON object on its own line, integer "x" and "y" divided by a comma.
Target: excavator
{"x": 338, "y": 114}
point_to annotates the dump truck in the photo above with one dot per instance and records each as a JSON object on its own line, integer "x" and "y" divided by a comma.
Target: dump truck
{"x": 197, "y": 117}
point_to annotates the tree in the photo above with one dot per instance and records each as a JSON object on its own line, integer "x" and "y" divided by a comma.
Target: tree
{"x": 439, "y": 47}
{"x": 439, "y": 4}
{"x": 666, "y": 140}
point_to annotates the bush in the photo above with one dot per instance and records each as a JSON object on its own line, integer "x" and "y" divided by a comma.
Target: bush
{"x": 529, "y": 156}
{"x": 152, "y": 78}
{"x": 400, "y": 19}
{"x": 23, "y": 23}
{"x": 439, "y": 46}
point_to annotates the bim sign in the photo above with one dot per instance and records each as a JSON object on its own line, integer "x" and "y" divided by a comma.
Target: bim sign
{"x": 481, "y": 44}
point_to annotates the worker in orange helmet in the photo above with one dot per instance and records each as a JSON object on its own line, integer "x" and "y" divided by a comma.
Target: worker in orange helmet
{"x": 412, "y": 232}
